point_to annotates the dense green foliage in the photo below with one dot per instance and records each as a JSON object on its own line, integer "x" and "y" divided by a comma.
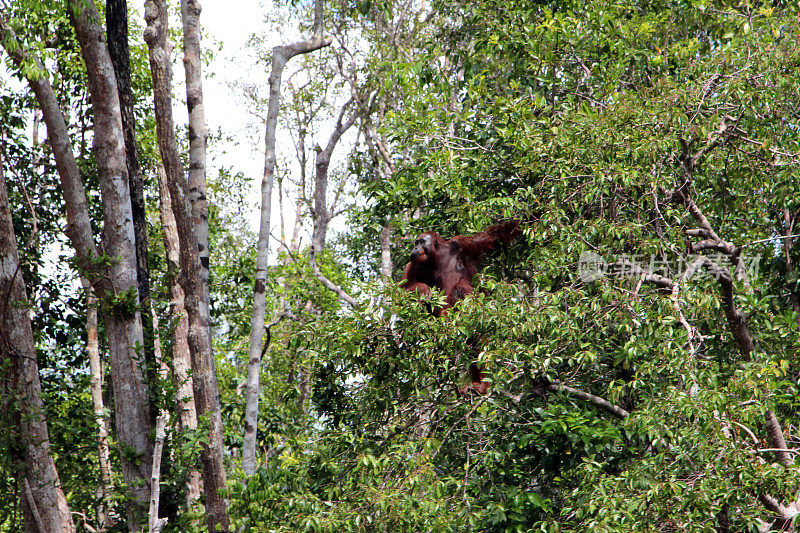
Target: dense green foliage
{"x": 653, "y": 133}
{"x": 578, "y": 119}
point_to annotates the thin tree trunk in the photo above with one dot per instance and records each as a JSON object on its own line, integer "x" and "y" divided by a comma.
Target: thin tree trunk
{"x": 181, "y": 359}
{"x": 257, "y": 330}
{"x": 322, "y": 213}
{"x": 44, "y": 505}
{"x": 154, "y": 523}
{"x": 280, "y": 55}
{"x": 294, "y": 244}
{"x": 190, "y": 16}
{"x": 282, "y": 214}
{"x": 95, "y": 367}
{"x": 116, "y": 282}
{"x": 386, "y": 254}
{"x": 206, "y": 393}
{"x": 157, "y": 498}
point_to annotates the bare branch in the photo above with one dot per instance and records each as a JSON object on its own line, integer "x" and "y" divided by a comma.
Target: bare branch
{"x": 748, "y": 431}
{"x": 597, "y": 401}
{"x": 634, "y": 269}
{"x": 328, "y": 283}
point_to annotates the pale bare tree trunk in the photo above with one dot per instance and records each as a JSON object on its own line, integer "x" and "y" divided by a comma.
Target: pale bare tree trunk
{"x": 280, "y": 55}
{"x": 44, "y": 505}
{"x": 257, "y": 328}
{"x": 386, "y": 254}
{"x": 299, "y": 206}
{"x": 96, "y": 370}
{"x": 302, "y": 159}
{"x": 181, "y": 359}
{"x": 190, "y": 15}
{"x": 377, "y": 147}
{"x": 118, "y": 280}
{"x": 154, "y": 523}
{"x": 206, "y": 393}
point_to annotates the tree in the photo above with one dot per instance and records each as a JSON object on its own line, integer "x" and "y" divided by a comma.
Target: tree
{"x": 204, "y": 379}
{"x": 113, "y": 276}
{"x": 640, "y": 338}
{"x": 117, "y": 34}
{"x": 630, "y": 132}
{"x": 98, "y": 406}
{"x": 43, "y": 503}
{"x": 280, "y": 55}
{"x": 181, "y": 355}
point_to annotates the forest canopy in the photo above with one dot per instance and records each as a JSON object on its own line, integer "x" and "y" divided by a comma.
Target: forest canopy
{"x": 166, "y": 366}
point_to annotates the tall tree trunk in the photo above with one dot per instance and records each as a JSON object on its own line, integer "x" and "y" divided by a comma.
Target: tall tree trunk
{"x": 181, "y": 359}
{"x": 198, "y": 136}
{"x": 117, "y": 31}
{"x": 123, "y": 321}
{"x": 192, "y": 65}
{"x": 96, "y": 370}
{"x": 114, "y": 284}
{"x": 154, "y": 523}
{"x": 206, "y": 393}
{"x": 43, "y": 503}
{"x": 280, "y": 55}
{"x": 302, "y": 159}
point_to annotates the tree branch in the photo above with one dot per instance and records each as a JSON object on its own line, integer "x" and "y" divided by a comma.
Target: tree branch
{"x": 328, "y": 283}
{"x": 633, "y": 269}
{"x": 79, "y": 229}
{"x": 775, "y": 436}
{"x": 597, "y": 401}
{"x": 737, "y": 320}
{"x": 268, "y": 328}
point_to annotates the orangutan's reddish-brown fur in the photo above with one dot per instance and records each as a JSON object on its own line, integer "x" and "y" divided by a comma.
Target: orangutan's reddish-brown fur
{"x": 450, "y": 265}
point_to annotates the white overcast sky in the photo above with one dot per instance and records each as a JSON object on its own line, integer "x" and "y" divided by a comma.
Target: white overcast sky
{"x": 227, "y": 24}
{"x": 230, "y": 23}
